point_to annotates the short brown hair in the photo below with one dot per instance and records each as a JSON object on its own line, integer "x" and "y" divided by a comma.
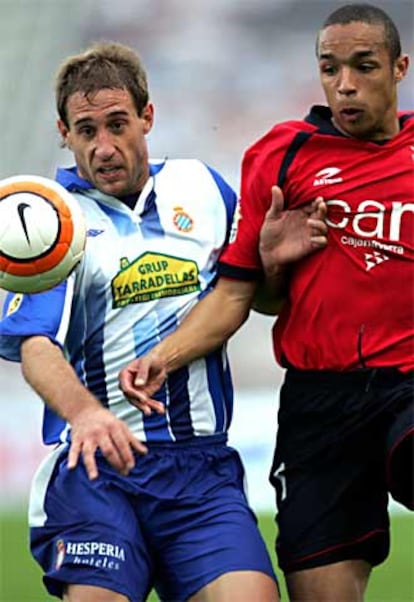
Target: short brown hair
{"x": 102, "y": 65}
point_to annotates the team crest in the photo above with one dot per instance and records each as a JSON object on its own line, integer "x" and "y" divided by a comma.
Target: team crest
{"x": 182, "y": 221}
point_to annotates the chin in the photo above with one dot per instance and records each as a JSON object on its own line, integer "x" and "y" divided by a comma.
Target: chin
{"x": 111, "y": 188}
{"x": 356, "y": 130}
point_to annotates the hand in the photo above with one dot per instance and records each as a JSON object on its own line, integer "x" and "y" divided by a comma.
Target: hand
{"x": 96, "y": 427}
{"x": 140, "y": 379}
{"x": 291, "y": 234}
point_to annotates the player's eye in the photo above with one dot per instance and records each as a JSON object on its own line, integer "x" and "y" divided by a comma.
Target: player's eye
{"x": 328, "y": 69}
{"x": 117, "y": 126}
{"x": 86, "y": 131}
{"x": 366, "y": 67}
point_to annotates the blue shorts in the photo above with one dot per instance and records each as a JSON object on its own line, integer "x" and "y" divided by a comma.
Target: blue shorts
{"x": 176, "y": 523}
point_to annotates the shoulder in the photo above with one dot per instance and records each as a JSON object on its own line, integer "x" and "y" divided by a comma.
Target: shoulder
{"x": 169, "y": 167}
{"x": 192, "y": 173}
{"x": 406, "y": 119}
{"x": 280, "y": 135}
{"x": 279, "y": 139}
{"x": 406, "y": 114}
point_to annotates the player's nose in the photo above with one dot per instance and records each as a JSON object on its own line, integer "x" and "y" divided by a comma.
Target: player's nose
{"x": 346, "y": 81}
{"x": 104, "y": 146}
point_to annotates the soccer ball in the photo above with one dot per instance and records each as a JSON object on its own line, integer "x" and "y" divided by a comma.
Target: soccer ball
{"x": 42, "y": 233}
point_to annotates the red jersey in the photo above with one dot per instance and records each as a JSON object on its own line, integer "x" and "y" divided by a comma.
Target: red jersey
{"x": 350, "y": 305}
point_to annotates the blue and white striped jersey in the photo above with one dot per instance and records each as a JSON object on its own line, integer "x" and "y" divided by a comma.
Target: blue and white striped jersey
{"x": 142, "y": 271}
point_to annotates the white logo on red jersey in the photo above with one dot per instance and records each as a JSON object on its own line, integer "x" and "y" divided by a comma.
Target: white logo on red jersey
{"x": 235, "y": 223}
{"x": 370, "y": 218}
{"x": 374, "y": 259}
{"x": 327, "y": 176}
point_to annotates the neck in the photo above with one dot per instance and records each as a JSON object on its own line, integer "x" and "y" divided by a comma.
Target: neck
{"x": 374, "y": 136}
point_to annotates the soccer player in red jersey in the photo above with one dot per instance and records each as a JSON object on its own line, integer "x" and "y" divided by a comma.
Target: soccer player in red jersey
{"x": 345, "y": 330}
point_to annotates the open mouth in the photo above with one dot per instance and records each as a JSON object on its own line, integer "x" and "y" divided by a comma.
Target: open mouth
{"x": 109, "y": 173}
{"x": 350, "y": 114}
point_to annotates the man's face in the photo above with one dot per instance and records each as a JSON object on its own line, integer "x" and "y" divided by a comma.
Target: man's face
{"x": 360, "y": 80}
{"x": 107, "y": 138}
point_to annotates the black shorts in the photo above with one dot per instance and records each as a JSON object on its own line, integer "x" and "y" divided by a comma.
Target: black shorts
{"x": 339, "y": 437}
{"x": 400, "y": 458}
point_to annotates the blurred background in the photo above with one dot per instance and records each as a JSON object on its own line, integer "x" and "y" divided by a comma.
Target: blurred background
{"x": 221, "y": 73}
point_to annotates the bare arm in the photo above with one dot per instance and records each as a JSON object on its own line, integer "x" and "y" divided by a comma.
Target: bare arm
{"x": 286, "y": 237}
{"x": 93, "y": 426}
{"x": 209, "y": 324}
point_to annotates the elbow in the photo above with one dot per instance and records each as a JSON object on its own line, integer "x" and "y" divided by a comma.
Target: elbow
{"x": 268, "y": 308}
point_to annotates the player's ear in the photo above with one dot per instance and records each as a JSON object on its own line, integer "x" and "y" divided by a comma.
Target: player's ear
{"x": 64, "y": 132}
{"x": 401, "y": 67}
{"x": 148, "y": 117}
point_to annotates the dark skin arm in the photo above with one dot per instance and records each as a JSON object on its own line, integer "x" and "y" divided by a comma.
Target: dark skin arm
{"x": 286, "y": 237}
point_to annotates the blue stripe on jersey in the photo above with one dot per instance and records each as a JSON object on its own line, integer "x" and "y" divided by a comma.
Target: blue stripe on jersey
{"x": 146, "y": 336}
{"x": 53, "y": 427}
{"x": 70, "y": 180}
{"x": 205, "y": 292}
{"x": 179, "y": 413}
{"x": 156, "y": 426}
{"x": 122, "y": 221}
{"x": 221, "y": 389}
{"x": 151, "y": 223}
{"x": 87, "y": 356}
{"x": 176, "y": 423}
{"x": 38, "y": 314}
{"x": 95, "y": 377}
{"x": 229, "y": 197}
{"x": 155, "y": 168}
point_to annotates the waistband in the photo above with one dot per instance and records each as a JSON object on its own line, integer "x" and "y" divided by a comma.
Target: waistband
{"x": 208, "y": 441}
{"x": 364, "y": 376}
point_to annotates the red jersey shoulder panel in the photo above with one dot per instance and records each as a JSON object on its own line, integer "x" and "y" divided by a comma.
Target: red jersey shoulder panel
{"x": 261, "y": 169}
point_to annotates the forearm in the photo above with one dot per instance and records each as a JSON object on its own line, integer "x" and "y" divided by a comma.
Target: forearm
{"x": 271, "y": 291}
{"x": 210, "y": 324}
{"x": 46, "y": 370}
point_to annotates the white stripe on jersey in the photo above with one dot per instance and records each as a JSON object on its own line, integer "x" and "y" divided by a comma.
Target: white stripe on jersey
{"x": 64, "y": 323}
{"x": 202, "y": 409}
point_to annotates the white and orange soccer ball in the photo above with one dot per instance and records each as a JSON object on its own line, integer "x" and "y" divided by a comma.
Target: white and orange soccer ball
{"x": 42, "y": 233}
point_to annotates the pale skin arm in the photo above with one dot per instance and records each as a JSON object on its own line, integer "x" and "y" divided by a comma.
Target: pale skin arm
{"x": 93, "y": 426}
{"x": 286, "y": 237}
{"x": 210, "y": 324}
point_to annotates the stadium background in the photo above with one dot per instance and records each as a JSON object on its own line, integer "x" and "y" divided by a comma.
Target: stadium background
{"x": 221, "y": 72}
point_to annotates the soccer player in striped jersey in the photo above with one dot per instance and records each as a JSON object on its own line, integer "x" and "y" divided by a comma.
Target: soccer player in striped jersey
{"x": 345, "y": 331}
{"x": 131, "y": 500}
